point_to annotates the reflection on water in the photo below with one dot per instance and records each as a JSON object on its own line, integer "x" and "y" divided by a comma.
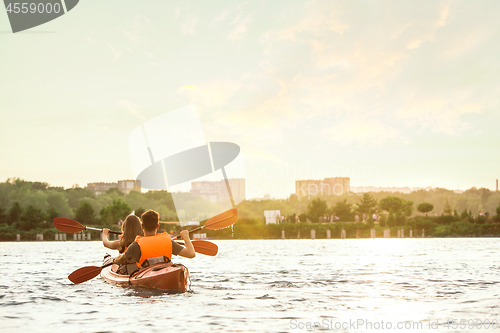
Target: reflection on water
{"x": 258, "y": 286}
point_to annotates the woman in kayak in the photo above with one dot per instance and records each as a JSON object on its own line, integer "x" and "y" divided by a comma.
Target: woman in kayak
{"x": 131, "y": 228}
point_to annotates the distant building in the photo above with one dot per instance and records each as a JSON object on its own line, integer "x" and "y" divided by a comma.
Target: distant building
{"x": 364, "y": 189}
{"x": 126, "y": 186}
{"x": 406, "y": 189}
{"x": 327, "y": 186}
{"x": 266, "y": 196}
{"x": 216, "y": 191}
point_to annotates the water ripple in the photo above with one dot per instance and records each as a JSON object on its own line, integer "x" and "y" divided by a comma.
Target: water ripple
{"x": 245, "y": 289}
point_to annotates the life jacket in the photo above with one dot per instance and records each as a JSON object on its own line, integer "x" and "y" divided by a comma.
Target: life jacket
{"x": 153, "y": 247}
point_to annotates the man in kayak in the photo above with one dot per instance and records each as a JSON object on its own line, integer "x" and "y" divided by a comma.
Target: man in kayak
{"x": 153, "y": 247}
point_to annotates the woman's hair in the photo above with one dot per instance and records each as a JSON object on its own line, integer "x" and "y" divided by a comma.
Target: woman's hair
{"x": 131, "y": 228}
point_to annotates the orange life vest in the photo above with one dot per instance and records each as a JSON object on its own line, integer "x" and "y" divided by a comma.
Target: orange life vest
{"x": 159, "y": 245}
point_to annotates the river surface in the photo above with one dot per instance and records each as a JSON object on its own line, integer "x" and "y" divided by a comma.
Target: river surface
{"x": 263, "y": 286}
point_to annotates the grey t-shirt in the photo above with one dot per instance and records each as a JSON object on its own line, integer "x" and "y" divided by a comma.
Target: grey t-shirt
{"x": 133, "y": 253}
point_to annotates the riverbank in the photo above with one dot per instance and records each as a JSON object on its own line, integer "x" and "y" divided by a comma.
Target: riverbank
{"x": 426, "y": 228}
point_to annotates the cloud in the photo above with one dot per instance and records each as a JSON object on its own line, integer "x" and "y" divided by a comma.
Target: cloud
{"x": 149, "y": 55}
{"x": 369, "y": 132}
{"x": 91, "y": 40}
{"x": 212, "y": 95}
{"x": 188, "y": 26}
{"x": 443, "y": 14}
{"x": 387, "y": 63}
{"x": 439, "y": 114}
{"x": 116, "y": 54}
{"x": 131, "y": 108}
{"x": 133, "y": 32}
{"x": 216, "y": 21}
{"x": 241, "y": 27}
{"x": 319, "y": 20}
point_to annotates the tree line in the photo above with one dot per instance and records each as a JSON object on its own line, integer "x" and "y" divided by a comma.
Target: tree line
{"x": 28, "y": 206}
{"x": 31, "y": 206}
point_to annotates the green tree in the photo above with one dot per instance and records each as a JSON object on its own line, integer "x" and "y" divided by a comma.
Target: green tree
{"x": 3, "y": 216}
{"x": 480, "y": 219}
{"x": 391, "y": 203}
{"x": 484, "y": 193}
{"x": 370, "y": 221}
{"x": 139, "y": 211}
{"x": 85, "y": 213}
{"x": 425, "y": 207}
{"x": 118, "y": 210}
{"x": 407, "y": 208}
{"x": 112, "y": 190}
{"x": 75, "y": 195}
{"x": 59, "y": 201}
{"x": 382, "y": 221}
{"x": 447, "y": 208}
{"x": 395, "y": 204}
{"x": 343, "y": 210}
{"x": 315, "y": 209}
{"x": 52, "y": 213}
{"x": 367, "y": 204}
{"x": 465, "y": 215}
{"x": 31, "y": 218}
{"x": 391, "y": 220}
{"x": 15, "y": 213}
{"x": 400, "y": 218}
{"x": 38, "y": 186}
{"x": 498, "y": 210}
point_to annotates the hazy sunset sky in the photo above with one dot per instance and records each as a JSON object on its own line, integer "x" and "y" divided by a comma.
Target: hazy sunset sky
{"x": 389, "y": 93}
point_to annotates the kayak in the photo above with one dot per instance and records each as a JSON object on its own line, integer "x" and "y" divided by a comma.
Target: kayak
{"x": 164, "y": 276}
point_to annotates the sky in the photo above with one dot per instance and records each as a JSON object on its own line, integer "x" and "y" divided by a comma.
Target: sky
{"x": 388, "y": 93}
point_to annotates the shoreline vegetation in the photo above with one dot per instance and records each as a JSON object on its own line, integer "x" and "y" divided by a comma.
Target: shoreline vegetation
{"x": 28, "y": 208}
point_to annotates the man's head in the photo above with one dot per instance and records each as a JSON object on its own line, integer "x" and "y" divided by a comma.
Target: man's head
{"x": 150, "y": 220}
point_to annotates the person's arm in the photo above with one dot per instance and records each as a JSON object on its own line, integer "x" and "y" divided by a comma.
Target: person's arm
{"x": 121, "y": 259}
{"x": 188, "y": 250}
{"x": 133, "y": 254}
{"x": 114, "y": 245}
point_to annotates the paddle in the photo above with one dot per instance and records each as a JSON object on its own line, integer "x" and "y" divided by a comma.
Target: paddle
{"x": 221, "y": 221}
{"x": 67, "y": 225}
{"x": 217, "y": 222}
{"x": 204, "y": 247}
{"x": 86, "y": 273}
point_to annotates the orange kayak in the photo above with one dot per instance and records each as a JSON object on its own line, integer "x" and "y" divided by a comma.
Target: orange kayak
{"x": 164, "y": 276}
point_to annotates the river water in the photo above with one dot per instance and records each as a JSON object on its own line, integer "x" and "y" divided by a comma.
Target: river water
{"x": 264, "y": 286}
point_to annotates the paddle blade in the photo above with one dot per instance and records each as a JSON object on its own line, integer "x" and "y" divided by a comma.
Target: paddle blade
{"x": 205, "y": 247}
{"x": 221, "y": 221}
{"x": 67, "y": 225}
{"x": 84, "y": 274}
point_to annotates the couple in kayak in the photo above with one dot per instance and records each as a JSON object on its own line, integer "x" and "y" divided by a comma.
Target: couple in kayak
{"x": 138, "y": 251}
